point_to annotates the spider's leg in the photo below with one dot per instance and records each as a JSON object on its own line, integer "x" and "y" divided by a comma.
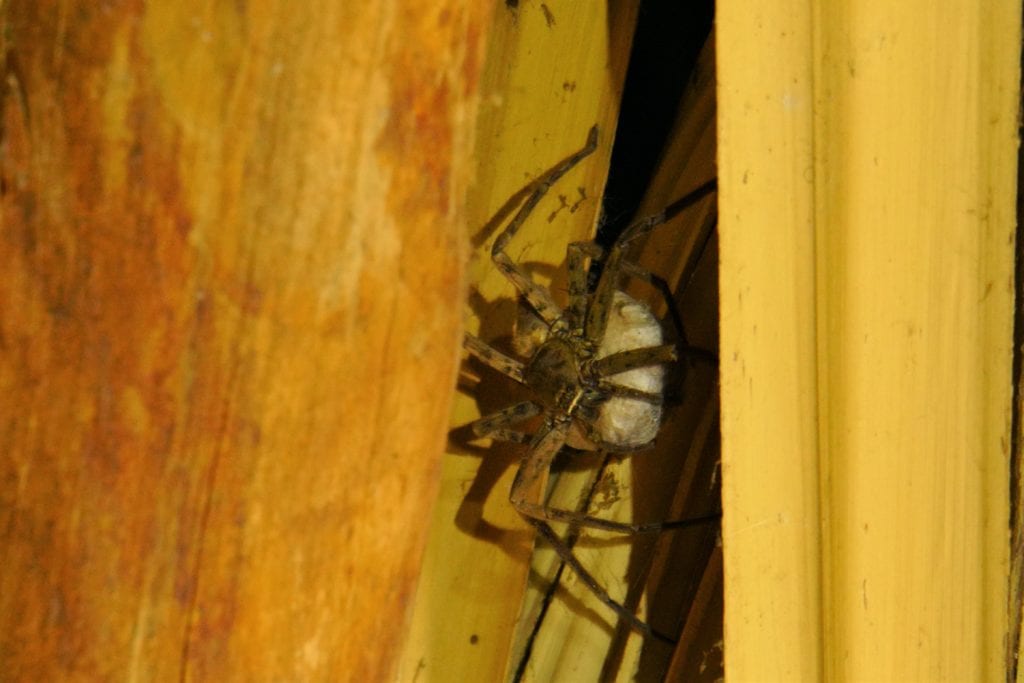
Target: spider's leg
{"x": 704, "y": 234}
{"x": 533, "y": 471}
{"x": 553, "y": 514}
{"x": 506, "y": 365}
{"x": 645, "y": 225}
{"x": 579, "y": 251}
{"x": 623, "y": 361}
{"x": 542, "y": 455}
{"x": 566, "y": 555}
{"x": 538, "y": 297}
{"x": 613, "y": 390}
{"x": 496, "y": 424}
{"x": 543, "y": 512}
{"x": 601, "y": 301}
{"x": 659, "y": 285}
{"x": 707, "y": 229}
{"x": 616, "y": 263}
{"x": 575, "y": 261}
{"x": 529, "y": 483}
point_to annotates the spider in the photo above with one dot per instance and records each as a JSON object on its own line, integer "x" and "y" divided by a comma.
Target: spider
{"x": 595, "y": 370}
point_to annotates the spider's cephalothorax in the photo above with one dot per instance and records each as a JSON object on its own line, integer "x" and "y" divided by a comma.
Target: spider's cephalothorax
{"x": 595, "y": 368}
{"x": 554, "y": 375}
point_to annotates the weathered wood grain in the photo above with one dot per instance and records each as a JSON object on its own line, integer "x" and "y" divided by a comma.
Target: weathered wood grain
{"x": 232, "y": 252}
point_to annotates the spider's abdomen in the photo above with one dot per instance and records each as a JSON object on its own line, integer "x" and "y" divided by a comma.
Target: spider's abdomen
{"x": 630, "y": 421}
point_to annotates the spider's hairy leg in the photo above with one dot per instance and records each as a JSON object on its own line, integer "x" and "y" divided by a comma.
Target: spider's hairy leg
{"x": 538, "y": 297}
{"x": 496, "y": 424}
{"x": 645, "y": 225}
{"x": 601, "y": 302}
{"x": 575, "y": 262}
{"x": 624, "y": 361}
{"x": 552, "y": 514}
{"x": 566, "y": 555}
{"x": 545, "y": 446}
{"x": 616, "y": 264}
{"x": 531, "y": 477}
{"x": 704, "y": 234}
{"x": 530, "y": 483}
{"x": 613, "y": 390}
{"x": 493, "y": 358}
{"x": 579, "y": 251}
{"x": 682, "y": 347}
{"x": 661, "y": 286}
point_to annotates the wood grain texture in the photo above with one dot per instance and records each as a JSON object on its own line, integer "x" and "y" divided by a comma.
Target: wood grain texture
{"x": 868, "y": 170}
{"x": 232, "y": 250}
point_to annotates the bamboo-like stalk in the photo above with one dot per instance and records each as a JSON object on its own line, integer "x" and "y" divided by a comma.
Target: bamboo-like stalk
{"x": 574, "y": 636}
{"x": 553, "y": 70}
{"x": 868, "y": 170}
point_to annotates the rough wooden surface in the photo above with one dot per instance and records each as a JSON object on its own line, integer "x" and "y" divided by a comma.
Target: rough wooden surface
{"x": 231, "y": 247}
{"x": 867, "y": 172}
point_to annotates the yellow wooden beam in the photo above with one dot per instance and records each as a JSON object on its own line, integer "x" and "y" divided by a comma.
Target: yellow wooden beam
{"x": 868, "y": 170}
{"x": 770, "y": 469}
{"x": 553, "y": 70}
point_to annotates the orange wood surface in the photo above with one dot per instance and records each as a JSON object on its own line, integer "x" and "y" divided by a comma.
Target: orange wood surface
{"x": 231, "y": 253}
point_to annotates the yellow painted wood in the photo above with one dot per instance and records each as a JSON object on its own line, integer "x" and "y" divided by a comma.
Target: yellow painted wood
{"x": 770, "y": 474}
{"x": 553, "y": 70}
{"x": 868, "y": 169}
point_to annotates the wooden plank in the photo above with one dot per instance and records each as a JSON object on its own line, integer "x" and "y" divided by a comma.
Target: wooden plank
{"x": 553, "y": 70}
{"x": 232, "y": 253}
{"x": 770, "y": 475}
{"x": 868, "y": 174}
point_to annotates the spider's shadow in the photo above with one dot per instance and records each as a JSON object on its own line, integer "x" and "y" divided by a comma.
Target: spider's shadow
{"x": 491, "y": 393}
{"x": 494, "y": 391}
{"x": 567, "y": 204}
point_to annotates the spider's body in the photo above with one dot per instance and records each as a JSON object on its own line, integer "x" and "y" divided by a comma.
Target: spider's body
{"x": 595, "y": 368}
{"x": 555, "y": 374}
{"x": 560, "y": 374}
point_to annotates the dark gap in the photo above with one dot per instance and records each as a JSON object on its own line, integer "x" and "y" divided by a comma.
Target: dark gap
{"x": 1016, "y": 607}
{"x": 669, "y": 36}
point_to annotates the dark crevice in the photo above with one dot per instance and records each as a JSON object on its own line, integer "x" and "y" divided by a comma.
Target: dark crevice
{"x": 1016, "y": 593}
{"x": 669, "y": 37}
